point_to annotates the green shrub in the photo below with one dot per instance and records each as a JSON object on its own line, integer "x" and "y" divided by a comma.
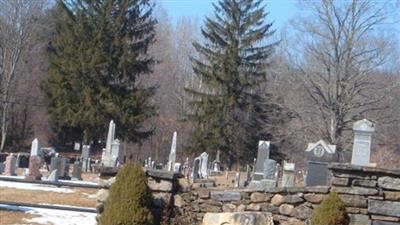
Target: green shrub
{"x": 129, "y": 200}
{"x": 331, "y": 212}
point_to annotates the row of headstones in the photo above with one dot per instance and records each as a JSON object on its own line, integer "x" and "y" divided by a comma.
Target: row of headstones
{"x": 59, "y": 167}
{"x": 319, "y": 155}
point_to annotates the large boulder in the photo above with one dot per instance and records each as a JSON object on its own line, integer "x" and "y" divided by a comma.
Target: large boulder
{"x": 238, "y": 218}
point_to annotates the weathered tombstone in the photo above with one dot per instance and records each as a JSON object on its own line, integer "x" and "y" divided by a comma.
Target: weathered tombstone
{"x": 2, "y": 166}
{"x": 10, "y": 166}
{"x": 177, "y": 168}
{"x": 34, "y": 162}
{"x": 264, "y": 175}
{"x": 111, "y": 156}
{"x": 172, "y": 154}
{"x": 85, "y": 158}
{"x": 363, "y": 130}
{"x": 269, "y": 169}
{"x": 204, "y": 165}
{"x": 217, "y": 163}
{"x": 288, "y": 174}
{"x": 237, "y": 180}
{"x": 77, "y": 171}
{"x": 262, "y": 155}
{"x": 23, "y": 160}
{"x": 196, "y": 168}
{"x": 53, "y": 176}
{"x": 65, "y": 169}
{"x": 319, "y": 155}
{"x": 77, "y": 146}
{"x": 35, "y": 147}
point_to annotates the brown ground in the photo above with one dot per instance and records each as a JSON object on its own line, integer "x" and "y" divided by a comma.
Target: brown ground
{"x": 12, "y": 217}
{"x": 78, "y": 198}
{"x": 221, "y": 181}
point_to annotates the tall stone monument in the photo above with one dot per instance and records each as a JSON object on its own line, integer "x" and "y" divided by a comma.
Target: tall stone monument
{"x": 34, "y": 162}
{"x": 262, "y": 156}
{"x": 319, "y": 155}
{"x": 172, "y": 154}
{"x": 85, "y": 158}
{"x": 265, "y": 168}
{"x": 111, "y": 155}
{"x": 363, "y": 130}
{"x": 204, "y": 165}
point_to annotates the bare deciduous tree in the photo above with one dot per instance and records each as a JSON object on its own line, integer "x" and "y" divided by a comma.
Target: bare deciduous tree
{"x": 16, "y": 19}
{"x": 339, "y": 46}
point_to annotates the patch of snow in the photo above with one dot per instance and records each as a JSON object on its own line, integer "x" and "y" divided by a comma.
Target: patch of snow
{"x": 78, "y": 182}
{"x": 35, "y": 187}
{"x": 56, "y": 217}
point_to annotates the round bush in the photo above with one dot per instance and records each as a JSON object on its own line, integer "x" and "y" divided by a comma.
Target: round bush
{"x": 331, "y": 212}
{"x": 129, "y": 200}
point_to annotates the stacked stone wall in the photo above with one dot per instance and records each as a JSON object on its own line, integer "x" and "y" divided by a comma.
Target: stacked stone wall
{"x": 371, "y": 197}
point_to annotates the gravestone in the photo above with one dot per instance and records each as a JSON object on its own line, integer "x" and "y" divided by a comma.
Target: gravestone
{"x": 217, "y": 163}
{"x": 172, "y": 154}
{"x": 265, "y": 168}
{"x": 196, "y": 169}
{"x": 53, "y": 177}
{"x": 34, "y": 162}
{"x": 319, "y": 155}
{"x": 3, "y": 157}
{"x": 55, "y": 164}
{"x": 85, "y": 158}
{"x": 288, "y": 174}
{"x": 204, "y": 165}
{"x": 64, "y": 169}
{"x": 77, "y": 146}
{"x": 2, "y": 166}
{"x": 269, "y": 169}
{"x": 10, "y": 165}
{"x": 363, "y": 131}
{"x": 112, "y": 154}
{"x": 23, "y": 160}
{"x": 177, "y": 168}
{"x": 237, "y": 180}
{"x": 77, "y": 171}
{"x": 262, "y": 156}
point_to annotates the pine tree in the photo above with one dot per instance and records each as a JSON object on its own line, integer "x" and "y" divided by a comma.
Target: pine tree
{"x": 97, "y": 54}
{"x": 231, "y": 110}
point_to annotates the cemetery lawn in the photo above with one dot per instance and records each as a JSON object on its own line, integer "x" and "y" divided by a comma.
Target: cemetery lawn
{"x": 15, "y": 217}
{"x": 83, "y": 197}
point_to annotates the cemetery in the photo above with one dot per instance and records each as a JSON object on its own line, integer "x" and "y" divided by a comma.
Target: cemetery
{"x": 201, "y": 192}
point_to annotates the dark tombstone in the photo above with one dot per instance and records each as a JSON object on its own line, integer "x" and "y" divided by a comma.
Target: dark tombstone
{"x": 3, "y": 157}
{"x": 319, "y": 155}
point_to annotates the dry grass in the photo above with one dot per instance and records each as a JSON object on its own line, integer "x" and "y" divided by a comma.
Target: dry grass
{"x": 78, "y": 198}
{"x": 14, "y": 217}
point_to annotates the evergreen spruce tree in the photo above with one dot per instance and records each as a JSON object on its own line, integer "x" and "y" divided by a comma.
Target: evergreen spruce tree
{"x": 232, "y": 110}
{"x": 97, "y": 53}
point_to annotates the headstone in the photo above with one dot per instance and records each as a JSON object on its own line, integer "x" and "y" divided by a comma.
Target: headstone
{"x": 2, "y": 166}
{"x": 262, "y": 156}
{"x": 217, "y": 163}
{"x": 23, "y": 160}
{"x": 34, "y": 168}
{"x": 35, "y": 147}
{"x": 172, "y": 154}
{"x": 363, "y": 131}
{"x": 85, "y": 151}
{"x": 77, "y": 146}
{"x": 319, "y": 155}
{"x": 10, "y": 166}
{"x": 288, "y": 175}
{"x": 177, "y": 168}
{"x": 112, "y": 155}
{"x": 196, "y": 169}
{"x": 237, "y": 180}
{"x": 65, "y": 169}
{"x": 269, "y": 169}
{"x": 77, "y": 171}
{"x": 53, "y": 177}
{"x": 204, "y": 165}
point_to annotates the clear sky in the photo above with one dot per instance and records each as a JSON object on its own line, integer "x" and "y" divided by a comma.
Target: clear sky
{"x": 280, "y": 10}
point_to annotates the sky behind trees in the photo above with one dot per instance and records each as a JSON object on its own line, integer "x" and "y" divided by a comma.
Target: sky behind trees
{"x": 280, "y": 10}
